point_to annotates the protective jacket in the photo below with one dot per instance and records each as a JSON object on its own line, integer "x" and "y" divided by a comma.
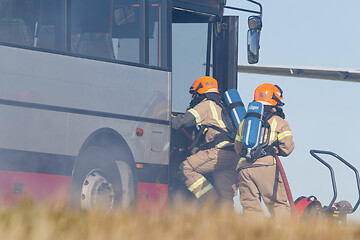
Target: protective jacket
{"x": 207, "y": 113}
{"x": 280, "y": 138}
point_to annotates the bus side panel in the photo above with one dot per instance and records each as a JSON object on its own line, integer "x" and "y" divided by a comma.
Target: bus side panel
{"x": 83, "y": 84}
{"x": 52, "y": 103}
{"x": 33, "y": 160}
{"x": 106, "y": 94}
{"x": 34, "y": 130}
{"x": 151, "y": 147}
{"x": 152, "y": 197}
{"x": 41, "y": 187}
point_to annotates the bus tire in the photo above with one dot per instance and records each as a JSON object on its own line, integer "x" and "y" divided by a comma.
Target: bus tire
{"x": 127, "y": 184}
{"x": 97, "y": 182}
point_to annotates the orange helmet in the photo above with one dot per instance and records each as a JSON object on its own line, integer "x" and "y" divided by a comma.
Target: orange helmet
{"x": 204, "y": 85}
{"x": 269, "y": 94}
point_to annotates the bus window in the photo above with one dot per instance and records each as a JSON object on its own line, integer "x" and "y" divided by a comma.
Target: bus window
{"x": 17, "y": 21}
{"x": 188, "y": 56}
{"x": 33, "y": 23}
{"x": 50, "y": 29}
{"x": 127, "y": 30}
{"x": 156, "y": 26}
{"x": 91, "y": 28}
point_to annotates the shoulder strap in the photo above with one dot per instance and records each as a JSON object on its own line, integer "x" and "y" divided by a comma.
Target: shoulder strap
{"x": 221, "y": 137}
{"x": 234, "y": 105}
{"x": 225, "y": 114}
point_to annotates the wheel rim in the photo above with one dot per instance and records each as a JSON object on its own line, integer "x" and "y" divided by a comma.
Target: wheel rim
{"x": 97, "y": 191}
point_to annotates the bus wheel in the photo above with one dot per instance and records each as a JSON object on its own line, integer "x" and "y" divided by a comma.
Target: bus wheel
{"x": 97, "y": 191}
{"x": 96, "y": 182}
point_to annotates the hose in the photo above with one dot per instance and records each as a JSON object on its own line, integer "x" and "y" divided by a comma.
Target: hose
{"x": 286, "y": 183}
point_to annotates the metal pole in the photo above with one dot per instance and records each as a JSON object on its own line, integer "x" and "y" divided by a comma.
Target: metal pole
{"x": 208, "y": 50}
{"x": 313, "y": 153}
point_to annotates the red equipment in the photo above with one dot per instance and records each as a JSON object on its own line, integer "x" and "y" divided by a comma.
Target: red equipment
{"x": 308, "y": 206}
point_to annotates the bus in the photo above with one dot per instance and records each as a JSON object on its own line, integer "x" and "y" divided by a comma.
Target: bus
{"x": 87, "y": 89}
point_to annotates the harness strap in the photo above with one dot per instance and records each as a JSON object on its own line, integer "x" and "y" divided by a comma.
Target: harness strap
{"x": 221, "y": 137}
{"x": 249, "y": 166}
{"x": 201, "y": 133}
{"x": 234, "y": 105}
{"x": 253, "y": 114}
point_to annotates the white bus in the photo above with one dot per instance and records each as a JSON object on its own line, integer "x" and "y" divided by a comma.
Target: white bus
{"x": 87, "y": 88}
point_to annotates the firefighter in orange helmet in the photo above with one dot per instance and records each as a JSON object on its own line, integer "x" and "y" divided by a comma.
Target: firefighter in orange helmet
{"x": 261, "y": 179}
{"x": 215, "y": 152}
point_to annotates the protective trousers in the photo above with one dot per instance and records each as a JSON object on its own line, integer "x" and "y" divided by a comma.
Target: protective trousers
{"x": 222, "y": 164}
{"x": 263, "y": 182}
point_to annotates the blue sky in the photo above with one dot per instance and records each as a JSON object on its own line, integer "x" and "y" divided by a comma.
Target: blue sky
{"x": 322, "y": 114}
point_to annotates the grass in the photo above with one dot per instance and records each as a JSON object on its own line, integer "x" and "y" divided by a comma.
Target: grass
{"x": 58, "y": 221}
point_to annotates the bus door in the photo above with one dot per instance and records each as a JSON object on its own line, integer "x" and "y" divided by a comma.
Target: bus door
{"x": 196, "y": 39}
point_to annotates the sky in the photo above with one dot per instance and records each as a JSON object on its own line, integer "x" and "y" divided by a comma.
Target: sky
{"x": 322, "y": 114}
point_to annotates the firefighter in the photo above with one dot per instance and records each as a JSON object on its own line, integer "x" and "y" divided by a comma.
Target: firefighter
{"x": 214, "y": 151}
{"x": 261, "y": 178}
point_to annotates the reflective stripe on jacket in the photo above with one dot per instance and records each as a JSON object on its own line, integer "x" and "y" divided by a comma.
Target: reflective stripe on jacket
{"x": 206, "y": 113}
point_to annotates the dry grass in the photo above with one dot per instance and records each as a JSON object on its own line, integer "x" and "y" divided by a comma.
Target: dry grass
{"x": 54, "y": 221}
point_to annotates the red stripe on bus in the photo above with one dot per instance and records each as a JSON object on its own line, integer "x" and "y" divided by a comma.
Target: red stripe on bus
{"x": 40, "y": 187}
{"x": 152, "y": 198}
